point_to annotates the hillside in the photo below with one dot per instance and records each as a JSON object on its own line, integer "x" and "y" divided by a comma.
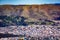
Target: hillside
{"x": 34, "y": 12}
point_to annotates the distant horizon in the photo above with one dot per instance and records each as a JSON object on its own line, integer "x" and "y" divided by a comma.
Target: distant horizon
{"x": 28, "y": 2}
{"x": 33, "y": 4}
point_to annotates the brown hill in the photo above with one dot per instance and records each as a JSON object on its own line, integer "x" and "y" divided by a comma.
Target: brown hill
{"x": 31, "y": 11}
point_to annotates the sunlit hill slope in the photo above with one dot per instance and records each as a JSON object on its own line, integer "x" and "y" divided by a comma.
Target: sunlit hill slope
{"x": 34, "y": 12}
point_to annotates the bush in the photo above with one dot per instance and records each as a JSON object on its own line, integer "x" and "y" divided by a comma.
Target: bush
{"x": 12, "y": 20}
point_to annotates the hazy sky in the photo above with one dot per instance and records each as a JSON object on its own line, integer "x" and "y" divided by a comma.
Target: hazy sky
{"x": 17, "y": 2}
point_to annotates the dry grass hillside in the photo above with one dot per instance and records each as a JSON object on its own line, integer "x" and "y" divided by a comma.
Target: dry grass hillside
{"x": 34, "y": 12}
